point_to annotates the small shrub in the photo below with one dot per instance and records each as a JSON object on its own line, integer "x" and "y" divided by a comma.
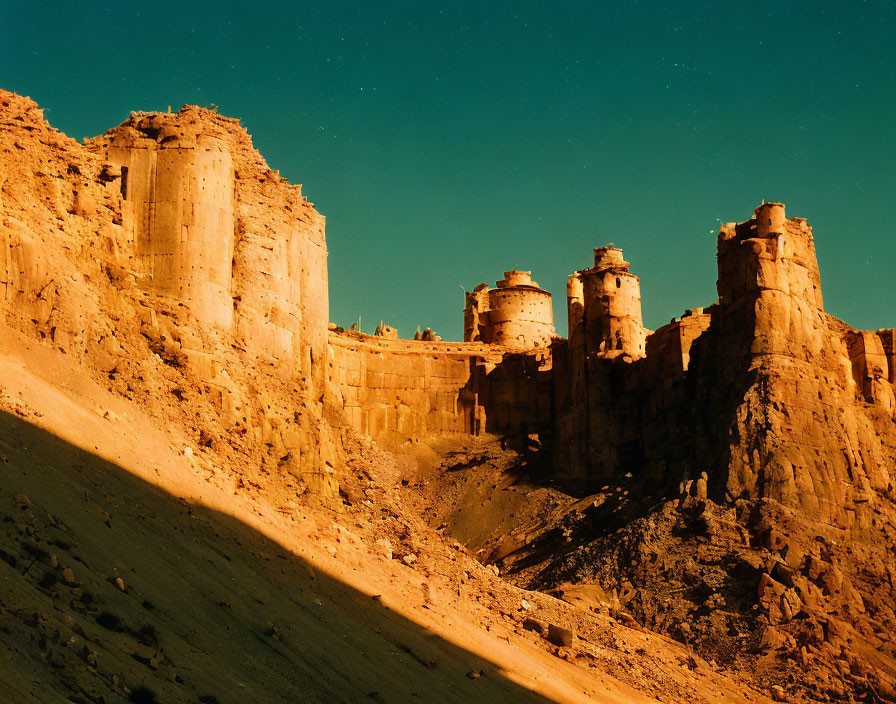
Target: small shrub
{"x": 142, "y": 695}
{"x": 147, "y": 635}
{"x": 48, "y": 580}
{"x": 110, "y": 621}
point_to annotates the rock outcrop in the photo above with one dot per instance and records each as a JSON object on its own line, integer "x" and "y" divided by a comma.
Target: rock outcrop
{"x": 727, "y": 479}
{"x": 763, "y": 390}
{"x": 743, "y": 462}
{"x": 169, "y": 239}
{"x": 814, "y": 429}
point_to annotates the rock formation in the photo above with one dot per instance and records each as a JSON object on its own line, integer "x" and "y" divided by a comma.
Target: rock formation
{"x": 516, "y": 314}
{"x": 171, "y": 229}
{"x": 745, "y": 452}
{"x": 760, "y": 417}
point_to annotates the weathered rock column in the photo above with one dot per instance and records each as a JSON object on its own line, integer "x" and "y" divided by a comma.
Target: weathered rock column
{"x": 178, "y": 205}
{"x": 612, "y": 306}
{"x": 794, "y": 381}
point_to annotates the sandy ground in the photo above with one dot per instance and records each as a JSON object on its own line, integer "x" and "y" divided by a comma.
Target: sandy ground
{"x": 131, "y": 569}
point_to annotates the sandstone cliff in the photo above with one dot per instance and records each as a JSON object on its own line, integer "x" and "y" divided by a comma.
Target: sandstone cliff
{"x": 168, "y": 248}
{"x": 171, "y": 529}
{"x": 743, "y": 462}
{"x": 726, "y": 481}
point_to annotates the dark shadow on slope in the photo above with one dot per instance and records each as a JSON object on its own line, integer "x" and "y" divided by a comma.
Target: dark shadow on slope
{"x": 509, "y": 509}
{"x": 614, "y": 438}
{"x": 212, "y": 611}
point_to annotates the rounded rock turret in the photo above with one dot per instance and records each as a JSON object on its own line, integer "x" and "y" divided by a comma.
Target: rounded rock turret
{"x": 610, "y": 306}
{"x": 770, "y": 219}
{"x": 178, "y": 206}
{"x": 518, "y": 313}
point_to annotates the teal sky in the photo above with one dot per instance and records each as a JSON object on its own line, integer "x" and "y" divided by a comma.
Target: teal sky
{"x": 447, "y": 145}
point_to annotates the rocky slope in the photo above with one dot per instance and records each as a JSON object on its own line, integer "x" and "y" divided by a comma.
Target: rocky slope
{"x": 751, "y": 586}
{"x": 165, "y": 534}
{"x": 186, "y": 517}
{"x": 748, "y": 505}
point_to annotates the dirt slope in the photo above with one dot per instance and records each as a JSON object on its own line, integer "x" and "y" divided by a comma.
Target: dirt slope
{"x": 718, "y": 578}
{"x": 233, "y": 596}
{"x": 222, "y": 596}
{"x": 163, "y": 537}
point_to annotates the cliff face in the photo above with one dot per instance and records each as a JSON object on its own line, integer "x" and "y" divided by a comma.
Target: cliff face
{"x": 210, "y": 225}
{"x": 814, "y": 429}
{"x": 51, "y": 198}
{"x": 745, "y": 452}
{"x": 169, "y": 240}
{"x": 764, "y": 391}
{"x": 746, "y": 461}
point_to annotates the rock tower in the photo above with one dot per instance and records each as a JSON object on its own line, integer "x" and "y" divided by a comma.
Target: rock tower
{"x": 518, "y": 313}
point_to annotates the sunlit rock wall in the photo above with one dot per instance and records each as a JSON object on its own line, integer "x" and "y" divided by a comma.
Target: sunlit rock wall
{"x": 765, "y": 392}
{"x": 394, "y": 390}
{"x": 517, "y": 313}
{"x": 813, "y": 427}
{"x": 213, "y": 228}
{"x": 178, "y": 208}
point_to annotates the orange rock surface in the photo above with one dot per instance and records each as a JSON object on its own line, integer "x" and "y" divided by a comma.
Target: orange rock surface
{"x": 703, "y": 512}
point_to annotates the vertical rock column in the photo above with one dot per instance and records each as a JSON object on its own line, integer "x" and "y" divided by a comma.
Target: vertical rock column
{"x": 806, "y": 398}
{"x": 178, "y": 205}
{"x": 605, "y": 336}
{"x": 476, "y": 315}
{"x": 612, "y": 306}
